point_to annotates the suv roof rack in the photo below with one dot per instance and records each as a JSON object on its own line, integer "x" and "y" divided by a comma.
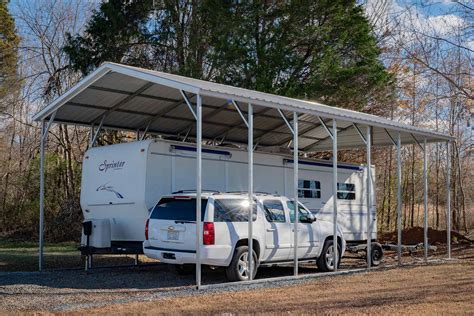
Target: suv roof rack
{"x": 194, "y": 191}
{"x": 256, "y": 193}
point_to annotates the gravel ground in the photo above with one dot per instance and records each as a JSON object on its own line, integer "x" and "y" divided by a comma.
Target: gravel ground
{"x": 413, "y": 290}
{"x": 67, "y": 290}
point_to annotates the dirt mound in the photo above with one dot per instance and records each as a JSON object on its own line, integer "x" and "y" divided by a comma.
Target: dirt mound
{"x": 413, "y": 236}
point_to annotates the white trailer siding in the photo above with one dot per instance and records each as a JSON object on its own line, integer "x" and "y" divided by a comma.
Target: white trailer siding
{"x": 146, "y": 170}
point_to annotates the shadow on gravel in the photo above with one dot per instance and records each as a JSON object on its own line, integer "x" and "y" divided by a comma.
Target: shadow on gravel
{"x": 146, "y": 277}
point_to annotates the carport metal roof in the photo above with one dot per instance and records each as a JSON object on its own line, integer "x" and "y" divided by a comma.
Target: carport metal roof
{"x": 131, "y": 98}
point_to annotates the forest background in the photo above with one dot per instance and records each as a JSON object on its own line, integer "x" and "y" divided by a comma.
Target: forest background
{"x": 409, "y": 61}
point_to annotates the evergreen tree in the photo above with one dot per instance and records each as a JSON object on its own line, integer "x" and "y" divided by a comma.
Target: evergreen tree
{"x": 8, "y": 54}
{"x": 320, "y": 50}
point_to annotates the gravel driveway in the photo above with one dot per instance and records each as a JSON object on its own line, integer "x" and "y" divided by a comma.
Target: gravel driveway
{"x": 74, "y": 289}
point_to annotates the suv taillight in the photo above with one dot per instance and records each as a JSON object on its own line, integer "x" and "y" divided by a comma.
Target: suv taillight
{"x": 208, "y": 234}
{"x": 146, "y": 229}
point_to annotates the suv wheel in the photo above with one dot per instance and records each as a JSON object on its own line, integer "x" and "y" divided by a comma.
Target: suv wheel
{"x": 238, "y": 268}
{"x": 325, "y": 261}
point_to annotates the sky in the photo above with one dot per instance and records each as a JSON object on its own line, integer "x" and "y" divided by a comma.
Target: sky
{"x": 436, "y": 18}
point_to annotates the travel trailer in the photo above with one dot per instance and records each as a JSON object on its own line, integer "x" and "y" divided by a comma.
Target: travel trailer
{"x": 121, "y": 184}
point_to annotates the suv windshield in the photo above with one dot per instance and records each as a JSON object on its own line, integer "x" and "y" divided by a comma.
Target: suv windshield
{"x": 178, "y": 209}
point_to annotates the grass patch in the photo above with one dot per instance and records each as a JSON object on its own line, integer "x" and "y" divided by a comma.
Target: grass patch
{"x": 12, "y": 246}
{"x": 18, "y": 255}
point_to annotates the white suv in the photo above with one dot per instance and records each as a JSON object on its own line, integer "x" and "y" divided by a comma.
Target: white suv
{"x": 171, "y": 233}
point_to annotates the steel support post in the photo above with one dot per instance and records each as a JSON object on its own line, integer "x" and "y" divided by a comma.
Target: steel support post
{"x": 198, "y": 188}
{"x": 295, "y": 192}
{"x": 43, "y": 137}
{"x": 41, "y": 217}
{"x": 448, "y": 198}
{"x": 250, "y": 188}
{"x": 425, "y": 191}
{"x": 399, "y": 199}
{"x": 369, "y": 195}
{"x": 334, "y": 192}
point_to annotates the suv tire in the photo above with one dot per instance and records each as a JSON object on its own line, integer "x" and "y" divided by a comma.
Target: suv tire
{"x": 324, "y": 260}
{"x": 237, "y": 270}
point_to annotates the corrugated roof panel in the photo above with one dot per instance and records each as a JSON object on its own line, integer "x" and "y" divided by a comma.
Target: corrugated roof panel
{"x": 167, "y": 125}
{"x": 146, "y": 105}
{"x": 101, "y": 98}
{"x": 163, "y": 92}
{"x": 226, "y": 117}
{"x": 317, "y": 132}
{"x": 267, "y": 122}
{"x": 114, "y": 80}
{"x": 183, "y": 111}
{"x": 133, "y": 121}
{"x": 77, "y": 114}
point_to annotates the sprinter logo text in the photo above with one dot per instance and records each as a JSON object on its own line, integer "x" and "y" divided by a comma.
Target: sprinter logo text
{"x": 114, "y": 165}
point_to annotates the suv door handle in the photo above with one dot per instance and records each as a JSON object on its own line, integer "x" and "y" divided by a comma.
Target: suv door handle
{"x": 271, "y": 229}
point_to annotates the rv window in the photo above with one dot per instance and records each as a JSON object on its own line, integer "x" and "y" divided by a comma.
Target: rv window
{"x": 346, "y": 191}
{"x": 309, "y": 189}
{"x": 178, "y": 209}
{"x": 274, "y": 211}
{"x": 233, "y": 210}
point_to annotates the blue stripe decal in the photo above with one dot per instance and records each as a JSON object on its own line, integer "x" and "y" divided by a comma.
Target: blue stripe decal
{"x": 172, "y": 250}
{"x": 321, "y": 164}
{"x": 204, "y": 150}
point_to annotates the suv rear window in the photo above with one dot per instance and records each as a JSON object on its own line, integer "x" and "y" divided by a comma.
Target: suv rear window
{"x": 233, "y": 210}
{"x": 178, "y": 209}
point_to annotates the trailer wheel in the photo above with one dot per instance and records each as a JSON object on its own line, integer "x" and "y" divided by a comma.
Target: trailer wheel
{"x": 325, "y": 261}
{"x": 238, "y": 269}
{"x": 377, "y": 254}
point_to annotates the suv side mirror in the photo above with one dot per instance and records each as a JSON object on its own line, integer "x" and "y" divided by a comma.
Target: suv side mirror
{"x": 307, "y": 218}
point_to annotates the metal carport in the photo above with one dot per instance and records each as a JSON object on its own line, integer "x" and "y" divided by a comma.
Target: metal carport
{"x": 146, "y": 102}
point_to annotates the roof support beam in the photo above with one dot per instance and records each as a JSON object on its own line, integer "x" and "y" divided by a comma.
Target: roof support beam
{"x": 360, "y": 133}
{"x": 286, "y": 121}
{"x": 240, "y": 112}
{"x": 188, "y": 103}
{"x": 391, "y": 138}
{"x": 44, "y": 135}
{"x": 96, "y": 134}
{"x": 325, "y": 127}
{"x": 417, "y": 142}
{"x": 146, "y": 130}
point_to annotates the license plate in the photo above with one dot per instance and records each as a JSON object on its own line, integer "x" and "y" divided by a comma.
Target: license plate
{"x": 173, "y": 235}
